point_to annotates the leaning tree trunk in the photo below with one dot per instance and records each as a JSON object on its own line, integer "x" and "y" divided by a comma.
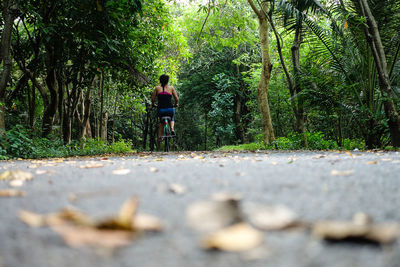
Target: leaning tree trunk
{"x": 5, "y": 58}
{"x": 374, "y": 39}
{"x": 262, "y": 98}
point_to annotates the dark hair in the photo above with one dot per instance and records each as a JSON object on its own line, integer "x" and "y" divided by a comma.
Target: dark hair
{"x": 164, "y": 80}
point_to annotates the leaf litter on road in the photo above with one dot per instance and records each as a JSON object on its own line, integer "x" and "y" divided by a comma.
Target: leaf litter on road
{"x": 16, "y": 178}
{"x": 92, "y": 165}
{"x": 79, "y": 229}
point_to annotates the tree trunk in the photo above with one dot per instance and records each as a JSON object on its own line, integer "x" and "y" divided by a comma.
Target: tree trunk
{"x": 104, "y": 121}
{"x": 5, "y": 59}
{"x": 299, "y": 110}
{"x": 374, "y": 39}
{"x": 51, "y": 82}
{"x": 262, "y": 98}
{"x": 101, "y": 97}
{"x": 268, "y": 130}
{"x": 146, "y": 126}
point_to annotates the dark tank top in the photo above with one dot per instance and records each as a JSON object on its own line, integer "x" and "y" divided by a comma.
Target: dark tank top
{"x": 164, "y": 99}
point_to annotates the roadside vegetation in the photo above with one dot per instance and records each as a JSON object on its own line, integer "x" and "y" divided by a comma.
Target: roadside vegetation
{"x": 77, "y": 76}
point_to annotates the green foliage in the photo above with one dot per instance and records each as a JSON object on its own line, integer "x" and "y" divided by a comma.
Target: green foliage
{"x": 317, "y": 141}
{"x": 16, "y": 143}
{"x": 243, "y": 147}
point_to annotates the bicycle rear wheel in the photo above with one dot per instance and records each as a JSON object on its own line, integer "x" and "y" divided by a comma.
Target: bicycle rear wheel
{"x": 167, "y": 136}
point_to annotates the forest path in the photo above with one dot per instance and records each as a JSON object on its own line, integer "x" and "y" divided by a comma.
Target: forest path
{"x": 315, "y": 185}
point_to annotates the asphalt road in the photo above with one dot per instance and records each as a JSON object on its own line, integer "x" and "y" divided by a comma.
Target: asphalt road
{"x": 300, "y": 180}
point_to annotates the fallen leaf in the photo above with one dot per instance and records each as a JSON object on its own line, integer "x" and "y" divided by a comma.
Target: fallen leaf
{"x": 78, "y": 229}
{"x": 239, "y": 237}
{"x": 342, "y": 173}
{"x": 177, "y": 189}
{"x": 92, "y": 165}
{"x": 127, "y": 212}
{"x": 32, "y": 219}
{"x": 386, "y": 160}
{"x": 361, "y": 229}
{"x": 212, "y": 215}
{"x": 121, "y": 171}
{"x": 16, "y": 175}
{"x": 11, "y": 193}
{"x": 83, "y": 236}
{"x": 148, "y": 223}
{"x": 274, "y": 163}
{"x": 319, "y": 157}
{"x": 276, "y": 217}
{"x": 16, "y": 183}
{"x": 34, "y": 166}
{"x": 153, "y": 169}
{"x": 40, "y": 172}
{"x": 371, "y": 162}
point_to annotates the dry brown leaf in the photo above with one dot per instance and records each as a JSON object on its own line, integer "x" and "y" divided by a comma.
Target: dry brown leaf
{"x": 121, "y": 171}
{"x": 153, "y": 169}
{"x": 276, "y": 217}
{"x": 127, "y": 212}
{"x": 40, "y": 172}
{"x": 148, "y": 223}
{"x": 33, "y": 166}
{"x": 11, "y": 193}
{"x": 212, "y": 215}
{"x": 371, "y": 162}
{"x": 342, "y": 173}
{"x": 16, "y": 175}
{"x": 32, "y": 219}
{"x": 239, "y": 237}
{"x": 92, "y": 165}
{"x": 360, "y": 229}
{"x": 177, "y": 189}
{"x": 83, "y": 236}
{"x": 16, "y": 183}
{"x": 319, "y": 157}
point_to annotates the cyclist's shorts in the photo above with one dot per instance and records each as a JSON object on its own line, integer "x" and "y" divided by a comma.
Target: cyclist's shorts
{"x": 162, "y": 112}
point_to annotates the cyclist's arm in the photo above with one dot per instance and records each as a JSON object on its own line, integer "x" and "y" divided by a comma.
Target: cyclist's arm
{"x": 175, "y": 96}
{"x": 153, "y": 97}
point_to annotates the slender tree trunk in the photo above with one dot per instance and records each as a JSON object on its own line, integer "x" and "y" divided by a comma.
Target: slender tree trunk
{"x": 146, "y": 126}
{"x": 374, "y": 39}
{"x": 262, "y": 98}
{"x": 299, "y": 111}
{"x": 101, "y": 92}
{"x": 9, "y": 8}
{"x": 51, "y": 82}
{"x": 104, "y": 121}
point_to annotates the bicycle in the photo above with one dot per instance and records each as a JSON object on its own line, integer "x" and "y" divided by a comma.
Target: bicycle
{"x": 167, "y": 133}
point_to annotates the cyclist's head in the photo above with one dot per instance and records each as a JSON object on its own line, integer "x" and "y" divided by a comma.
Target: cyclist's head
{"x": 164, "y": 80}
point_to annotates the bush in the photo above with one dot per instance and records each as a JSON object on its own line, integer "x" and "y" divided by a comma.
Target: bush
{"x": 243, "y": 147}
{"x": 351, "y": 144}
{"x": 16, "y": 143}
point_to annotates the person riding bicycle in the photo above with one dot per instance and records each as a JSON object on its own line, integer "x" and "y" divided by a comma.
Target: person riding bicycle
{"x": 164, "y": 93}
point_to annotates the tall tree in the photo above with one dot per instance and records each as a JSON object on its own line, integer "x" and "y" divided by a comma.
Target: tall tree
{"x": 374, "y": 40}
{"x": 268, "y": 130}
{"x": 9, "y": 8}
